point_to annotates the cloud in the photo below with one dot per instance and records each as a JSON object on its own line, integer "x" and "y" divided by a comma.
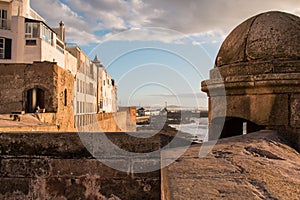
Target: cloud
{"x": 196, "y": 43}
{"x": 81, "y": 37}
{"x": 204, "y": 20}
{"x": 78, "y": 29}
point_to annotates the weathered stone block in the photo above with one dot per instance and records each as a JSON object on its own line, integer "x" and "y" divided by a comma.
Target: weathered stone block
{"x": 269, "y": 109}
{"x": 295, "y": 110}
{"x": 238, "y": 106}
{"x": 24, "y": 168}
{"x": 10, "y": 188}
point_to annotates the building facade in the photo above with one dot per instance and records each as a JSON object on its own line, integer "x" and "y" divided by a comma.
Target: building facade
{"x": 85, "y": 87}
{"x": 26, "y": 40}
{"x": 25, "y": 37}
{"x": 107, "y": 90}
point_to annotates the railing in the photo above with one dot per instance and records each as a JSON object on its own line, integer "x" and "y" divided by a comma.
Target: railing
{"x": 5, "y": 24}
{"x": 71, "y": 44}
{"x": 60, "y": 49}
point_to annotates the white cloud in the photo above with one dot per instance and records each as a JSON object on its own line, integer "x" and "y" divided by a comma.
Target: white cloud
{"x": 209, "y": 20}
{"x": 81, "y": 37}
{"x": 196, "y": 43}
{"x": 148, "y": 34}
{"x": 79, "y": 29}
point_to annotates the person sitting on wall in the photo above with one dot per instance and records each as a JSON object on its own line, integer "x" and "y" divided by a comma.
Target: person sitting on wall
{"x": 37, "y": 109}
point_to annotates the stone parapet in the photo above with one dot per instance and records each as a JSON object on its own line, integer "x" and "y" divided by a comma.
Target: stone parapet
{"x": 58, "y": 166}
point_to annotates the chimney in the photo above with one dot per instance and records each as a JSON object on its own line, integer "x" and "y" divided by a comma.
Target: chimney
{"x": 62, "y": 31}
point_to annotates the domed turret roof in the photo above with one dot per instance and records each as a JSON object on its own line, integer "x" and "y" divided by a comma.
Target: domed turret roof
{"x": 270, "y": 36}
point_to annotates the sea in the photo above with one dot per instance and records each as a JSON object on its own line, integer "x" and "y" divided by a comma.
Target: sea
{"x": 198, "y": 128}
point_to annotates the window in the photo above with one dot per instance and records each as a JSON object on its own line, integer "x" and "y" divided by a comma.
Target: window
{"x": 66, "y": 97}
{"x": 32, "y": 30}
{"x": 2, "y": 43}
{"x": 3, "y": 19}
{"x": 5, "y": 48}
{"x": 30, "y": 42}
{"x": 46, "y": 34}
{"x": 91, "y": 88}
{"x": 81, "y": 87}
{"x": 91, "y": 69}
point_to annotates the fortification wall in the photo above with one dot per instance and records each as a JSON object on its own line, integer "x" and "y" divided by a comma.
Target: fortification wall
{"x": 106, "y": 122}
{"x": 16, "y": 79}
{"x": 57, "y": 84}
{"x": 124, "y": 121}
{"x": 58, "y": 166}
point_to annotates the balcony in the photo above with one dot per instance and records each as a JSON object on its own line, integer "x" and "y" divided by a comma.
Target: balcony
{"x": 61, "y": 50}
{"x": 4, "y": 24}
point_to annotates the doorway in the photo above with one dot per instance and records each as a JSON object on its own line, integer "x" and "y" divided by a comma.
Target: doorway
{"x": 35, "y": 100}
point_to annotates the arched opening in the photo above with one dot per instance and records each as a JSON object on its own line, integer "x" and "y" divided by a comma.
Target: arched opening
{"x": 234, "y": 126}
{"x": 35, "y": 99}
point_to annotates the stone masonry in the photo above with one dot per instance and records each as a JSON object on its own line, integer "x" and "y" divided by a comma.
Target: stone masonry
{"x": 17, "y": 79}
{"x": 58, "y": 166}
{"x": 256, "y": 78}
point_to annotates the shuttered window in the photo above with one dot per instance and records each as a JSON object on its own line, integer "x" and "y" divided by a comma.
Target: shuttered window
{"x": 3, "y": 19}
{"x": 5, "y": 48}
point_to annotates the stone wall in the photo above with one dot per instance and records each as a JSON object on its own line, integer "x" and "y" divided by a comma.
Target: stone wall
{"x": 112, "y": 122}
{"x": 123, "y": 121}
{"x": 257, "y": 73}
{"x": 58, "y": 166}
{"x": 270, "y": 100}
{"x": 17, "y": 79}
{"x": 65, "y": 110}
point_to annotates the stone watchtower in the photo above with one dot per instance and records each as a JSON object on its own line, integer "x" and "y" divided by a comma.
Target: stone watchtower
{"x": 258, "y": 65}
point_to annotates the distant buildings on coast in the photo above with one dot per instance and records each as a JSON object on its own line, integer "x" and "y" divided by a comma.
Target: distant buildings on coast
{"x": 41, "y": 73}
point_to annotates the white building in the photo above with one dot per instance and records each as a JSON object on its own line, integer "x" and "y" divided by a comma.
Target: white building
{"x": 25, "y": 37}
{"x": 85, "y": 87}
{"x": 107, "y": 90}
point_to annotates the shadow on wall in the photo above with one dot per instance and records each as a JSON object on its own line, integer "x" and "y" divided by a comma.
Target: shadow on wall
{"x": 234, "y": 126}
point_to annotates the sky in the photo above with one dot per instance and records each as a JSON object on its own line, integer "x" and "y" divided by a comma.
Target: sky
{"x": 158, "y": 51}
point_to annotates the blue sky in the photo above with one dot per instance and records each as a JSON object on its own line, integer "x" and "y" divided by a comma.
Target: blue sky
{"x": 156, "y": 50}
